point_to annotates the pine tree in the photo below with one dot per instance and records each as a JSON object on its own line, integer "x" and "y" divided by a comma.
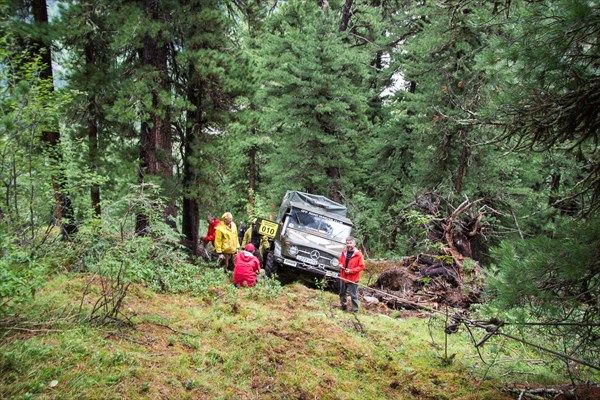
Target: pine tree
{"x": 552, "y": 92}
{"x": 205, "y": 73}
{"x": 143, "y": 102}
{"x": 86, "y": 39}
{"x": 315, "y": 99}
{"x": 33, "y": 33}
{"x": 251, "y": 140}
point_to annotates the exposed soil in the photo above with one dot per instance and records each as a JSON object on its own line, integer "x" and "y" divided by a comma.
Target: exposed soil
{"x": 421, "y": 282}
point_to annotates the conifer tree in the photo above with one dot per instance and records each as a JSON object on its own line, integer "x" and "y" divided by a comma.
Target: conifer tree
{"x": 156, "y": 136}
{"x": 315, "y": 99}
{"x": 34, "y": 36}
{"x": 546, "y": 67}
{"x": 91, "y": 64}
{"x": 551, "y": 93}
{"x": 204, "y": 74}
{"x": 250, "y": 139}
{"x": 143, "y": 44}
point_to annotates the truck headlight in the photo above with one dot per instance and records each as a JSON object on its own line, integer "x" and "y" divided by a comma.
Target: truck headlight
{"x": 333, "y": 262}
{"x": 293, "y": 250}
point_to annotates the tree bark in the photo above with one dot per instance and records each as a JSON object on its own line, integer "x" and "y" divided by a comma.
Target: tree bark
{"x": 191, "y": 210}
{"x": 443, "y": 150}
{"x": 155, "y": 137}
{"x": 92, "y": 116}
{"x": 254, "y": 24}
{"x": 334, "y": 174}
{"x": 554, "y": 186}
{"x": 252, "y": 177}
{"x": 346, "y": 14}
{"x": 63, "y": 207}
{"x": 462, "y": 166}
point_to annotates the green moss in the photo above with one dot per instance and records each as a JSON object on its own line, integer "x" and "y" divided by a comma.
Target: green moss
{"x": 290, "y": 346}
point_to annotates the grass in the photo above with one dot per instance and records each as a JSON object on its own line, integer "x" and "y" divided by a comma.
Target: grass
{"x": 266, "y": 342}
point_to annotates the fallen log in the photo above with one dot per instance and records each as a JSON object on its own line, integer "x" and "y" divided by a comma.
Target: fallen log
{"x": 395, "y": 301}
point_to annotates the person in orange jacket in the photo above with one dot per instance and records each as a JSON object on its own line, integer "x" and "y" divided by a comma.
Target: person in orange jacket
{"x": 351, "y": 263}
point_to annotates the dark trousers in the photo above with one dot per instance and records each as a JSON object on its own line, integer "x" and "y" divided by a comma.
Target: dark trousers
{"x": 257, "y": 255}
{"x": 349, "y": 288}
{"x": 228, "y": 262}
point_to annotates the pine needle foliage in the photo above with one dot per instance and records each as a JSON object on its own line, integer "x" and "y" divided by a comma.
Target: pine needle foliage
{"x": 553, "y": 279}
{"x": 549, "y": 92}
{"x": 314, "y": 98}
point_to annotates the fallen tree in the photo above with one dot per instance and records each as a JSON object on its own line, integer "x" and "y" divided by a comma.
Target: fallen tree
{"x": 453, "y": 275}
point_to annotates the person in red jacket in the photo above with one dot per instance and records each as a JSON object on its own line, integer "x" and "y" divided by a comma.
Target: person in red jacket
{"x": 246, "y": 267}
{"x": 212, "y": 225}
{"x": 351, "y": 263}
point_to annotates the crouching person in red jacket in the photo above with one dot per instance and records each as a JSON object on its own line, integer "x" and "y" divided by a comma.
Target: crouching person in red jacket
{"x": 351, "y": 263}
{"x": 246, "y": 267}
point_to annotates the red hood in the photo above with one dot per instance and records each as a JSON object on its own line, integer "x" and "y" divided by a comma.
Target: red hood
{"x": 246, "y": 256}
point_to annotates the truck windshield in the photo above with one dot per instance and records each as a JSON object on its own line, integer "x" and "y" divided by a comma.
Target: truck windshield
{"x": 306, "y": 220}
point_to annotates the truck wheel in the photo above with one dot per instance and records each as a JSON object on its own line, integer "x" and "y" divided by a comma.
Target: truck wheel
{"x": 333, "y": 284}
{"x": 270, "y": 264}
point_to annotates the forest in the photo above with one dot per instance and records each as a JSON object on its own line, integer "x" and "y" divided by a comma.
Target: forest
{"x": 124, "y": 123}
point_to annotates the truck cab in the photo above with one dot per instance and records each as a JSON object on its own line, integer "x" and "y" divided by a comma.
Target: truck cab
{"x": 311, "y": 236}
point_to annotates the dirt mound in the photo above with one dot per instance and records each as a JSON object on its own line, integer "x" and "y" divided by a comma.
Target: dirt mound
{"x": 399, "y": 279}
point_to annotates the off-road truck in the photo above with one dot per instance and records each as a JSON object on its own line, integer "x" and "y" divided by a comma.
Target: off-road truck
{"x": 311, "y": 234}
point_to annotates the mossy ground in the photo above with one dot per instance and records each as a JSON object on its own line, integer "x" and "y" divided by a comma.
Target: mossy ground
{"x": 261, "y": 343}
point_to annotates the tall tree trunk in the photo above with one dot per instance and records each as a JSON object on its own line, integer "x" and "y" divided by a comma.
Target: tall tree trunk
{"x": 554, "y": 186}
{"x": 156, "y": 140}
{"x": 63, "y": 207}
{"x": 92, "y": 107}
{"x": 334, "y": 174}
{"x": 253, "y": 28}
{"x": 191, "y": 211}
{"x": 346, "y": 14}
{"x": 252, "y": 176}
{"x": 462, "y": 166}
{"x": 376, "y": 103}
{"x": 444, "y": 150}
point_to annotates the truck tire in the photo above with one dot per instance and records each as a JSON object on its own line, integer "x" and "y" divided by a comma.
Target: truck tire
{"x": 270, "y": 264}
{"x": 333, "y": 284}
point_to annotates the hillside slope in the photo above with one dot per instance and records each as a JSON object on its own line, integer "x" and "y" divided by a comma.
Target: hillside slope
{"x": 261, "y": 343}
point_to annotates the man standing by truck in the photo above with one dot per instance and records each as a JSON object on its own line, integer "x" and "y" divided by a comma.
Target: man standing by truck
{"x": 351, "y": 263}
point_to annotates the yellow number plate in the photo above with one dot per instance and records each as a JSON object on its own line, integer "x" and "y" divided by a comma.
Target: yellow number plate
{"x": 267, "y": 228}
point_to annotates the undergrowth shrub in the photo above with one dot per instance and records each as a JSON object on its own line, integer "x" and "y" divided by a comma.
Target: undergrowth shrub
{"x": 142, "y": 259}
{"x": 156, "y": 258}
{"x": 20, "y": 274}
{"x": 265, "y": 288}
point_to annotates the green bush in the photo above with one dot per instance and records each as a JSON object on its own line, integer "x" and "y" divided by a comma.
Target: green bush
{"x": 20, "y": 274}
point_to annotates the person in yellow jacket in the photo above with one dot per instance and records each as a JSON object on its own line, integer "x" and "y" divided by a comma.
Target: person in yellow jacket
{"x": 226, "y": 242}
{"x": 260, "y": 242}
